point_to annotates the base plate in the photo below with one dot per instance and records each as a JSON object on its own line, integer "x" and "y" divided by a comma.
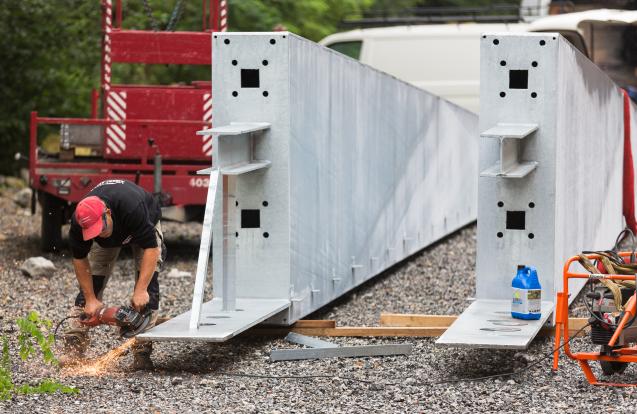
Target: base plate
{"x": 488, "y": 324}
{"x": 216, "y": 325}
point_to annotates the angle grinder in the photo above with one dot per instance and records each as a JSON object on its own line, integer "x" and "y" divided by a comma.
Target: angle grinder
{"x": 128, "y": 319}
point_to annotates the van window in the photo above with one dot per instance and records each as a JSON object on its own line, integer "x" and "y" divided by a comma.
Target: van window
{"x": 351, "y": 49}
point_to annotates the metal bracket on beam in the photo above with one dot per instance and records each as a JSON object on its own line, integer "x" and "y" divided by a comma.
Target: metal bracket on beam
{"x": 509, "y": 165}
{"x": 236, "y": 128}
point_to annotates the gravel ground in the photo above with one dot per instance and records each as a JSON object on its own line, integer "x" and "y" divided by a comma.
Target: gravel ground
{"x": 188, "y": 377}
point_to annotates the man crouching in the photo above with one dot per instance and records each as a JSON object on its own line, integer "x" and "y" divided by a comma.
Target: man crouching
{"x": 114, "y": 214}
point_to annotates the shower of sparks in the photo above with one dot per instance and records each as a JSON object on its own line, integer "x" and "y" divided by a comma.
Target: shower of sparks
{"x": 99, "y": 365}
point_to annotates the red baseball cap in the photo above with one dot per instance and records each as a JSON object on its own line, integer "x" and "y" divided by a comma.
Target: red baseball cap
{"x": 88, "y": 214}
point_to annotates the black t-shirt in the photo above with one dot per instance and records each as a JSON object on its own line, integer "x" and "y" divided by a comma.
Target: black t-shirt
{"x": 134, "y": 211}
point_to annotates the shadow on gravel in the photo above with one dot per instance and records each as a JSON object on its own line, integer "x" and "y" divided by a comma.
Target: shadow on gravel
{"x": 179, "y": 249}
{"x": 206, "y": 358}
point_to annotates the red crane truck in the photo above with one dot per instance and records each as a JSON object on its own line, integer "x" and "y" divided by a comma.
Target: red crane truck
{"x": 142, "y": 133}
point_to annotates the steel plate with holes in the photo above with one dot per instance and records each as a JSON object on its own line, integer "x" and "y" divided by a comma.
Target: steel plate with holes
{"x": 216, "y": 325}
{"x": 488, "y": 324}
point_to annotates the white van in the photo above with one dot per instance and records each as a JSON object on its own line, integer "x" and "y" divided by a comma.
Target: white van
{"x": 445, "y": 58}
{"x": 441, "y": 58}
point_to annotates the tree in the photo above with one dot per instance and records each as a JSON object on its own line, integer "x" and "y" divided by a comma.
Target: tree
{"x": 50, "y": 61}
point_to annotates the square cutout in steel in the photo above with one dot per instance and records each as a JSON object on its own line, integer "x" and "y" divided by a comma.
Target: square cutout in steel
{"x": 516, "y": 220}
{"x": 518, "y": 79}
{"x": 249, "y": 78}
{"x": 250, "y": 219}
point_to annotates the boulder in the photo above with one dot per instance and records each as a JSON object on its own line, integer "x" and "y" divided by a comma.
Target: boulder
{"x": 38, "y": 266}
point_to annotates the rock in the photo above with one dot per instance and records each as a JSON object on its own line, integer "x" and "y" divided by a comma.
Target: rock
{"x": 38, "y": 266}
{"x": 2, "y": 237}
{"x": 3, "y": 180}
{"x": 23, "y": 197}
{"x": 176, "y": 273}
{"x": 410, "y": 381}
{"x": 177, "y": 381}
{"x": 511, "y": 382}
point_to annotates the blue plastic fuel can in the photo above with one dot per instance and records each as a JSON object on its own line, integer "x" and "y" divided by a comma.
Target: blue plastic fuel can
{"x": 527, "y": 294}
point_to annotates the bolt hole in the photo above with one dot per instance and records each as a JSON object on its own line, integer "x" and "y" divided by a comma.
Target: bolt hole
{"x": 533, "y": 95}
{"x": 500, "y": 234}
{"x": 226, "y": 41}
{"x": 236, "y": 234}
{"x": 265, "y": 63}
{"x": 531, "y": 235}
{"x": 554, "y": 38}
{"x": 496, "y": 41}
{"x": 502, "y": 94}
{"x": 272, "y": 41}
{"x": 284, "y": 36}
{"x": 265, "y": 204}
{"x": 236, "y": 204}
{"x": 503, "y": 63}
{"x": 234, "y": 63}
{"x": 534, "y": 64}
{"x": 265, "y": 93}
{"x": 500, "y": 204}
{"x": 215, "y": 36}
{"x": 235, "y": 93}
{"x": 531, "y": 204}
{"x": 542, "y": 42}
{"x": 484, "y": 36}
{"x": 266, "y": 234}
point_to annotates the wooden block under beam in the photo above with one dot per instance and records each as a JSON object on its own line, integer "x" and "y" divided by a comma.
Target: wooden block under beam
{"x": 398, "y": 319}
{"x": 307, "y": 323}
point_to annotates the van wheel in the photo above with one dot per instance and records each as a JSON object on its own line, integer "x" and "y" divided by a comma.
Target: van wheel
{"x": 52, "y": 220}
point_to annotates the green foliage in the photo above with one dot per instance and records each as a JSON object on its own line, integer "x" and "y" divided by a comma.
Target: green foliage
{"x": 313, "y": 19}
{"x": 50, "y": 52}
{"x": 47, "y": 386}
{"x": 31, "y": 338}
{"x": 6, "y": 381}
{"x": 31, "y": 334}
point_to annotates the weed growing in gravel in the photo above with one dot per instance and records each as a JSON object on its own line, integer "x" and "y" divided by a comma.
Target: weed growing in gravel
{"x": 30, "y": 338}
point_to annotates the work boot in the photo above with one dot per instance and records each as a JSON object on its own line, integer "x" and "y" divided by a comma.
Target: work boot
{"x": 75, "y": 339}
{"x": 141, "y": 356}
{"x": 142, "y": 350}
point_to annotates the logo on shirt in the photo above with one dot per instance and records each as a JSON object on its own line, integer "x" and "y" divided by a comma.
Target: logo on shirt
{"x": 109, "y": 182}
{"x": 127, "y": 240}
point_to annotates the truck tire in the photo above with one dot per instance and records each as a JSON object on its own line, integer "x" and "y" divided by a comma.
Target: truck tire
{"x": 52, "y": 220}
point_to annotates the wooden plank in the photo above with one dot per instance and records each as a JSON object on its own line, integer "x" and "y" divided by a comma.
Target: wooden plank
{"x": 308, "y": 323}
{"x": 404, "y": 325}
{"x": 422, "y": 320}
{"x": 399, "y": 319}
